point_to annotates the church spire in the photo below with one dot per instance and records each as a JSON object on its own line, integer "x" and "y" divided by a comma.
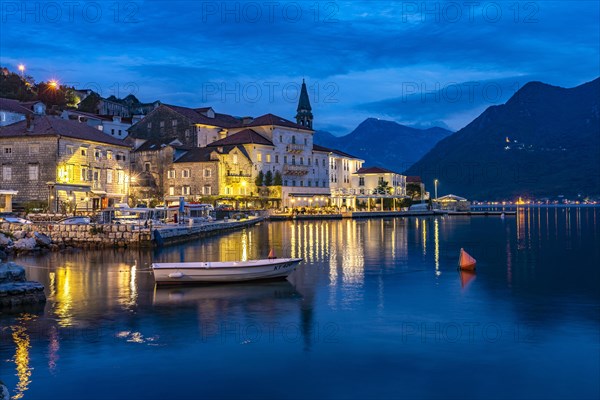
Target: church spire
{"x": 304, "y": 115}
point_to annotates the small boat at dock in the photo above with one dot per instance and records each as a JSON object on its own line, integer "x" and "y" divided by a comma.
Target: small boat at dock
{"x": 465, "y": 261}
{"x": 226, "y": 271}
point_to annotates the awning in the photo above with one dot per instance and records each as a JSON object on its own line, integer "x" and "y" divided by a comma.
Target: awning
{"x": 69, "y": 187}
{"x": 99, "y": 192}
{"x": 309, "y": 195}
{"x": 9, "y": 192}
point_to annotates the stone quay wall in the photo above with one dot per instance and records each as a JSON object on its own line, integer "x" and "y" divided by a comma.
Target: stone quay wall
{"x": 97, "y": 236}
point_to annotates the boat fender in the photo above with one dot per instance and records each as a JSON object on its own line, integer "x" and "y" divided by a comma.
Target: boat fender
{"x": 175, "y": 275}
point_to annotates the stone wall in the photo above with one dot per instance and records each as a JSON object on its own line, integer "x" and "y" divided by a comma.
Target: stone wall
{"x": 86, "y": 235}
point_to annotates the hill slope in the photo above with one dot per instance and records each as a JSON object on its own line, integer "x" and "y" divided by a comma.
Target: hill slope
{"x": 544, "y": 141}
{"x": 384, "y": 143}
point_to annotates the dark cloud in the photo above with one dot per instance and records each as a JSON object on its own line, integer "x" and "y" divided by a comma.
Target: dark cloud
{"x": 172, "y": 50}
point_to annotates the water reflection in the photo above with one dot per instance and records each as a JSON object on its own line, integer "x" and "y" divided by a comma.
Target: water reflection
{"x": 21, "y": 358}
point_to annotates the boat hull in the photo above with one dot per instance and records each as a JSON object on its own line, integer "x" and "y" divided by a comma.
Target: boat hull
{"x": 177, "y": 273}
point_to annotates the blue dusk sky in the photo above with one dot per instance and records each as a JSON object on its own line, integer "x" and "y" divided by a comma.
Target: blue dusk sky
{"x": 417, "y": 63}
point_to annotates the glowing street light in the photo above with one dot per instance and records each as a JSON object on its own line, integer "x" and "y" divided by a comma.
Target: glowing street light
{"x": 22, "y": 69}
{"x": 53, "y": 83}
{"x": 435, "y": 183}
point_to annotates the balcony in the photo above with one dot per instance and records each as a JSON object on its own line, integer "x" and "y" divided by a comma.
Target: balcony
{"x": 235, "y": 177}
{"x": 295, "y": 148}
{"x": 297, "y": 170}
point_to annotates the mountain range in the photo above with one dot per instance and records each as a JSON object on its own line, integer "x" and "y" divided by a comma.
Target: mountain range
{"x": 543, "y": 142}
{"x": 384, "y": 143}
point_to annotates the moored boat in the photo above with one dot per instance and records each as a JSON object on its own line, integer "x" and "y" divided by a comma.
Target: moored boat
{"x": 465, "y": 261}
{"x": 227, "y": 271}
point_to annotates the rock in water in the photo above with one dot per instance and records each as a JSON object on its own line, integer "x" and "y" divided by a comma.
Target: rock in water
{"x": 15, "y": 290}
{"x": 42, "y": 240}
{"x": 5, "y": 240}
{"x": 25, "y": 244}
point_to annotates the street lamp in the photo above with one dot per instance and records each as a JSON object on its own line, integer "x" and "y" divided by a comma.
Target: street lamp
{"x": 22, "y": 69}
{"x": 53, "y": 83}
{"x": 435, "y": 183}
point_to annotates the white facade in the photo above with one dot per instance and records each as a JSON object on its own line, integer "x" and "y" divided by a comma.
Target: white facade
{"x": 8, "y": 117}
{"x": 366, "y": 182}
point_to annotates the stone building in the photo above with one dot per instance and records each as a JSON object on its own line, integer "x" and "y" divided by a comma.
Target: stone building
{"x": 12, "y": 111}
{"x": 65, "y": 163}
{"x": 150, "y": 161}
{"x": 195, "y": 127}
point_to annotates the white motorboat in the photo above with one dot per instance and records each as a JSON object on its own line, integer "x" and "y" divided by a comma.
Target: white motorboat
{"x": 227, "y": 271}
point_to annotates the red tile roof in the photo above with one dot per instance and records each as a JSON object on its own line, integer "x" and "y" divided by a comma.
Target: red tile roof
{"x": 272, "y": 119}
{"x": 196, "y": 117}
{"x": 53, "y": 126}
{"x": 246, "y": 136}
{"x": 14, "y": 106}
{"x": 375, "y": 170}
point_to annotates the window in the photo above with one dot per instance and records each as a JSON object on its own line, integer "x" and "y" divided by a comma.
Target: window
{"x": 293, "y": 183}
{"x": 185, "y": 173}
{"x": 6, "y": 173}
{"x": 277, "y": 158}
{"x": 293, "y": 160}
{"x": 235, "y": 158}
{"x": 174, "y": 123}
{"x": 285, "y": 159}
{"x": 268, "y": 158}
{"x": 171, "y": 174}
{"x": 316, "y": 183}
{"x": 361, "y": 181}
{"x": 305, "y": 141}
{"x": 97, "y": 155}
{"x": 96, "y": 175}
{"x": 228, "y": 190}
{"x": 301, "y": 160}
{"x": 34, "y": 149}
{"x": 185, "y": 190}
{"x": 309, "y": 183}
{"x": 70, "y": 150}
{"x": 280, "y": 139}
{"x": 34, "y": 172}
{"x": 83, "y": 151}
{"x": 207, "y": 173}
{"x": 162, "y": 124}
{"x": 301, "y": 183}
{"x": 293, "y": 139}
{"x": 84, "y": 173}
{"x": 149, "y": 125}
{"x": 109, "y": 174}
{"x": 323, "y": 162}
{"x": 109, "y": 155}
{"x": 8, "y": 150}
{"x": 112, "y": 132}
{"x": 285, "y": 183}
{"x": 309, "y": 160}
{"x": 147, "y": 167}
{"x": 171, "y": 191}
{"x": 324, "y": 183}
{"x": 207, "y": 190}
{"x": 259, "y": 157}
{"x": 120, "y": 176}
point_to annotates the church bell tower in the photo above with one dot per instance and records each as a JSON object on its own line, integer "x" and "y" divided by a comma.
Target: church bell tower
{"x": 304, "y": 115}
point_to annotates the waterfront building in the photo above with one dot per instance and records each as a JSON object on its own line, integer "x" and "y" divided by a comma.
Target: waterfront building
{"x": 341, "y": 167}
{"x": 65, "y": 163}
{"x": 371, "y": 186}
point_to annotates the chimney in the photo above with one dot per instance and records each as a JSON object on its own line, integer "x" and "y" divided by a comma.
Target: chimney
{"x": 29, "y": 122}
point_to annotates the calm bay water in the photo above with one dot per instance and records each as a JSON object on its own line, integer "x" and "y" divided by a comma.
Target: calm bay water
{"x": 377, "y": 310}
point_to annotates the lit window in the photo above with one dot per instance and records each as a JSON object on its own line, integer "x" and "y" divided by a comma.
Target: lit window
{"x": 268, "y": 158}
{"x": 259, "y": 157}
{"x": 171, "y": 191}
{"x": 235, "y": 158}
{"x": 109, "y": 155}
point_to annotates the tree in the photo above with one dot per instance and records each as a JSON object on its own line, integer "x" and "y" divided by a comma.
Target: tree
{"x": 52, "y": 94}
{"x": 277, "y": 181}
{"x": 259, "y": 179}
{"x": 413, "y": 190}
{"x": 382, "y": 186}
{"x": 13, "y": 86}
{"x": 269, "y": 178}
{"x": 90, "y": 103}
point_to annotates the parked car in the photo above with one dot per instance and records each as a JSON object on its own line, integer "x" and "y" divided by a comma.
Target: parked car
{"x": 75, "y": 221}
{"x": 14, "y": 220}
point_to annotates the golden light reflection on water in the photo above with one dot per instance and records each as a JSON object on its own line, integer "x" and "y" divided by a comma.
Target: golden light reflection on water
{"x": 424, "y": 234}
{"x": 21, "y": 357}
{"x": 63, "y": 304}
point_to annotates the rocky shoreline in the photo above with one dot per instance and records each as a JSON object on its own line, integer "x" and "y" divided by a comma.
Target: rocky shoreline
{"x": 16, "y": 290}
{"x": 24, "y": 242}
